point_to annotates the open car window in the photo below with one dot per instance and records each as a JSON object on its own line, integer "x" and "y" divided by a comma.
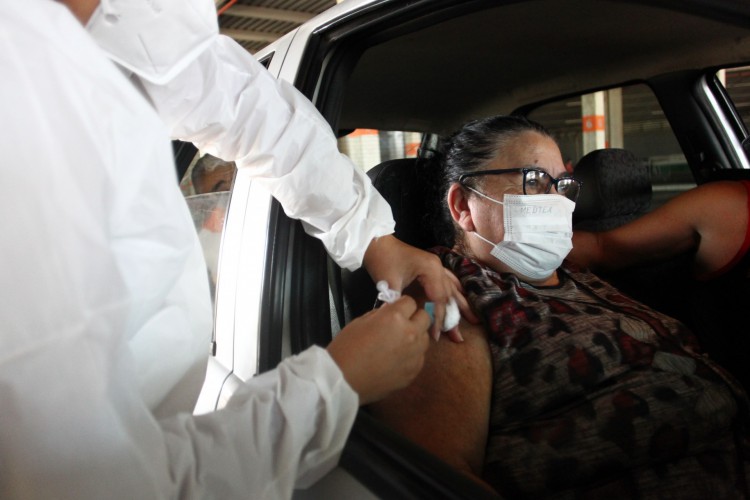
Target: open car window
{"x": 627, "y": 117}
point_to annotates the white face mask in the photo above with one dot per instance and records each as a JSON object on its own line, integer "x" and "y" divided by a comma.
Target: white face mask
{"x": 154, "y": 39}
{"x": 538, "y": 233}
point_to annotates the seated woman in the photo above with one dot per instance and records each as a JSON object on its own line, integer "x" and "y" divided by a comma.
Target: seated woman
{"x": 567, "y": 388}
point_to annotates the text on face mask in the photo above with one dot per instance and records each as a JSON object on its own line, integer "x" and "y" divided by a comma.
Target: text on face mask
{"x": 534, "y": 210}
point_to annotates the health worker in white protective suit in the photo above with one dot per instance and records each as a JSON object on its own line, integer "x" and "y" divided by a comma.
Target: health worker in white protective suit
{"x": 104, "y": 274}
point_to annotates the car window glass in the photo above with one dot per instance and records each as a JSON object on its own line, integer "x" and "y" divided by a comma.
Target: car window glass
{"x": 737, "y": 83}
{"x": 207, "y": 189}
{"x": 627, "y": 117}
{"x": 369, "y": 147}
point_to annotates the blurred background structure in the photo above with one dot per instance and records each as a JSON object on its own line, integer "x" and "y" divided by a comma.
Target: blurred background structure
{"x": 256, "y": 23}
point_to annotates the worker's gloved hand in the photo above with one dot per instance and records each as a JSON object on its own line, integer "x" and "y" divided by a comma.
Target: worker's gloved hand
{"x": 400, "y": 265}
{"x": 452, "y": 314}
{"x": 383, "y": 350}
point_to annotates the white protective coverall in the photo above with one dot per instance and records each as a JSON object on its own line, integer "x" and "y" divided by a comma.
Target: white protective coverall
{"x": 103, "y": 272}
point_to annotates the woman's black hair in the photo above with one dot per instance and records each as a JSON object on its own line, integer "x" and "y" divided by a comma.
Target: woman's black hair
{"x": 466, "y": 150}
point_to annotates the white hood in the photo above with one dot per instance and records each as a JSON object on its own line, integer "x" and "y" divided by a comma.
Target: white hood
{"x": 171, "y": 34}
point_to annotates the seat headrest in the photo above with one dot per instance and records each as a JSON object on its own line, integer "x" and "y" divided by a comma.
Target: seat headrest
{"x": 399, "y": 183}
{"x": 616, "y": 189}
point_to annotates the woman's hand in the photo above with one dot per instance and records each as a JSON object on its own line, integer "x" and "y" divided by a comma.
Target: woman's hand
{"x": 400, "y": 265}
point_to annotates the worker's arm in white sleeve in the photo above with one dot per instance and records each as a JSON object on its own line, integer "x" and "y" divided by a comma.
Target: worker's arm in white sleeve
{"x": 285, "y": 428}
{"x": 212, "y": 92}
{"x": 74, "y": 426}
{"x": 229, "y": 105}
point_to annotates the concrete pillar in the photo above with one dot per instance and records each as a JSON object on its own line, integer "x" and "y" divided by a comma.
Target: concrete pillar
{"x": 391, "y": 145}
{"x": 363, "y": 147}
{"x": 412, "y": 141}
{"x": 614, "y": 129}
{"x": 593, "y": 121}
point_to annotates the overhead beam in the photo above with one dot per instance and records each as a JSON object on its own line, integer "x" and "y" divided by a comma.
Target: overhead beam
{"x": 250, "y": 36}
{"x": 248, "y": 11}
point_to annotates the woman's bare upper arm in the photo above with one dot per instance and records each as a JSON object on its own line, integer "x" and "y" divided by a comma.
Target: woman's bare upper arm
{"x": 446, "y": 409}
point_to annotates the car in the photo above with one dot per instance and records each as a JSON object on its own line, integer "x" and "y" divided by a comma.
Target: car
{"x": 667, "y": 80}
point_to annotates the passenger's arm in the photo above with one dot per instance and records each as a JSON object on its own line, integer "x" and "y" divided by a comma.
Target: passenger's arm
{"x": 652, "y": 237}
{"x": 711, "y": 218}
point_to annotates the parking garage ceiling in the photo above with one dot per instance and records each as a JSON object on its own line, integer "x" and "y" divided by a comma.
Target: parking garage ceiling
{"x": 256, "y": 23}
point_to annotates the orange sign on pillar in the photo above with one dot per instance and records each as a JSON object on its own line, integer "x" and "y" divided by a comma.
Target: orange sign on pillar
{"x": 593, "y": 123}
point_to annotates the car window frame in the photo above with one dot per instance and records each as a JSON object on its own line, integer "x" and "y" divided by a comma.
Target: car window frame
{"x": 719, "y": 107}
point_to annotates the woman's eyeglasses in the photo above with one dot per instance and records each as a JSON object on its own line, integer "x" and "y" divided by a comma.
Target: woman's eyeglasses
{"x": 535, "y": 181}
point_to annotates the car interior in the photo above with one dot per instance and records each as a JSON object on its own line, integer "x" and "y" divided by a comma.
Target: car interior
{"x": 391, "y": 81}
